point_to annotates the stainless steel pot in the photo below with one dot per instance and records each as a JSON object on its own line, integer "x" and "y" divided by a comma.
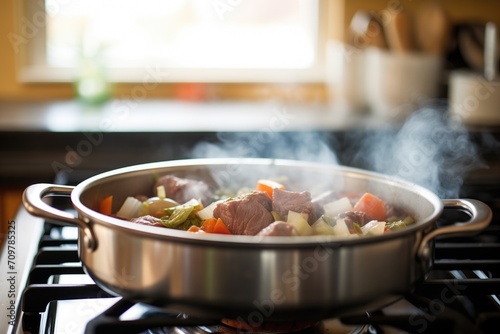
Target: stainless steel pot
{"x": 251, "y": 278}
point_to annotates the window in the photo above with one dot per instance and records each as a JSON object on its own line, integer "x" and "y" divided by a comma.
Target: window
{"x": 186, "y": 40}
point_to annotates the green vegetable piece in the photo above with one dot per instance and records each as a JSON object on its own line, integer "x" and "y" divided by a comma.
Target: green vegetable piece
{"x": 178, "y": 216}
{"x": 392, "y": 219}
{"x": 329, "y": 220}
{"x": 182, "y": 216}
{"x": 357, "y": 228}
{"x": 396, "y": 225}
{"x": 190, "y": 221}
{"x": 409, "y": 220}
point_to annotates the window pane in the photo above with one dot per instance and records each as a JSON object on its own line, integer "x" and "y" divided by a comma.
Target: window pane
{"x": 222, "y": 34}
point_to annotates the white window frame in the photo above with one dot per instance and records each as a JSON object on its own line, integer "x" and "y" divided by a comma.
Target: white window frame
{"x": 29, "y": 44}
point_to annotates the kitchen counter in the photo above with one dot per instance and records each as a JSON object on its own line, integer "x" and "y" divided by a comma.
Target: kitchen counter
{"x": 38, "y": 139}
{"x": 172, "y": 116}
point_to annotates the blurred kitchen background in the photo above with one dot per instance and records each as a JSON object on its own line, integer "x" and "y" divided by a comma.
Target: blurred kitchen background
{"x": 95, "y": 85}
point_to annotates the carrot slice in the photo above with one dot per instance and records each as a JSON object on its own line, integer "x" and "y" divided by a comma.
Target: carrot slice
{"x": 195, "y": 229}
{"x": 221, "y": 228}
{"x": 372, "y": 206}
{"x": 214, "y": 225}
{"x": 268, "y": 186}
{"x": 106, "y": 205}
{"x": 208, "y": 225}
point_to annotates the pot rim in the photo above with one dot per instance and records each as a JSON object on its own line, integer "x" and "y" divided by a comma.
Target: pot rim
{"x": 90, "y": 216}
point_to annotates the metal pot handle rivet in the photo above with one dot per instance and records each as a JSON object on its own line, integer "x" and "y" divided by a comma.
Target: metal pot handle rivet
{"x": 34, "y": 204}
{"x": 481, "y": 216}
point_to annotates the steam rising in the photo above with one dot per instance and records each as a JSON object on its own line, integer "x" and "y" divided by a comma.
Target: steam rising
{"x": 427, "y": 150}
{"x": 307, "y": 146}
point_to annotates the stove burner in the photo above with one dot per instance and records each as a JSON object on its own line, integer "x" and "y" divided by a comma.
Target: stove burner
{"x": 109, "y": 321}
{"x": 155, "y": 321}
{"x": 285, "y": 327}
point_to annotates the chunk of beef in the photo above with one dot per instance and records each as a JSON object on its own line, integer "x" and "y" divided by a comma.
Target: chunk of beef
{"x": 278, "y": 228}
{"x": 284, "y": 201}
{"x": 392, "y": 211}
{"x": 182, "y": 190}
{"x": 352, "y": 217}
{"x": 245, "y": 215}
{"x": 147, "y": 220}
{"x": 262, "y": 198}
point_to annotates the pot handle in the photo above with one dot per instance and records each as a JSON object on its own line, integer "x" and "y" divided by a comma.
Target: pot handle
{"x": 481, "y": 216}
{"x": 33, "y": 202}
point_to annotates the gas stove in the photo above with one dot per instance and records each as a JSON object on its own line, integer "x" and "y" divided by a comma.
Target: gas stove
{"x": 50, "y": 292}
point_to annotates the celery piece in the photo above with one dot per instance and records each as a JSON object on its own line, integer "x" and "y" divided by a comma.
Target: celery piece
{"x": 396, "y": 225}
{"x": 329, "y": 220}
{"x": 177, "y": 215}
{"x": 401, "y": 223}
{"x": 357, "y": 229}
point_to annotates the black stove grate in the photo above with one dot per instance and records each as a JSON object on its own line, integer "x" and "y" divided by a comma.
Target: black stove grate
{"x": 56, "y": 256}
{"x": 109, "y": 321}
